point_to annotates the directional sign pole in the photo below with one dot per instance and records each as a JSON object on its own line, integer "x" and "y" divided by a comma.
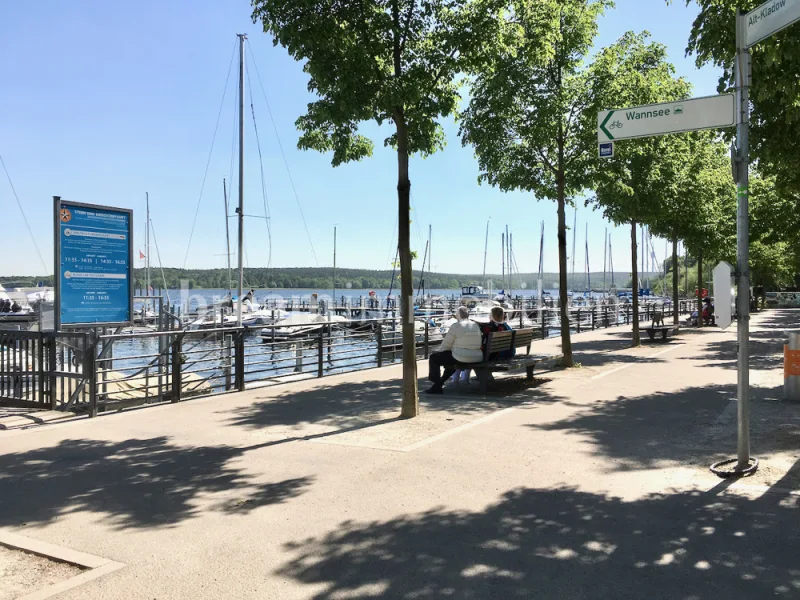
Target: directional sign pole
{"x": 743, "y": 241}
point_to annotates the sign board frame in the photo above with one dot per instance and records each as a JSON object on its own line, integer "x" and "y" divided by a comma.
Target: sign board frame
{"x": 760, "y": 26}
{"x": 704, "y": 112}
{"x": 58, "y": 205}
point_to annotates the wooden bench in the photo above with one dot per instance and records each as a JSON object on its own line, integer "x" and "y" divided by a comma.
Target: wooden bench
{"x": 500, "y": 341}
{"x": 658, "y": 326}
{"x": 663, "y": 329}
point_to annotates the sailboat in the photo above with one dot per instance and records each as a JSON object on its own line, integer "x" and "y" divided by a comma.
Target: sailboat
{"x": 15, "y": 311}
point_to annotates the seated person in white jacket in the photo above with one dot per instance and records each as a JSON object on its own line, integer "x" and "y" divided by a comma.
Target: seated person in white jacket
{"x": 462, "y": 343}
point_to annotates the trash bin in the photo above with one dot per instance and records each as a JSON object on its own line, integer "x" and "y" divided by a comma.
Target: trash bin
{"x": 791, "y": 368}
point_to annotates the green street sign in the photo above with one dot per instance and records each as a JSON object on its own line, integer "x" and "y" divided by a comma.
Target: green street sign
{"x": 668, "y": 117}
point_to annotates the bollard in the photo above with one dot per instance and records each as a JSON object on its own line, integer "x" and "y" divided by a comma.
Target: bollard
{"x": 791, "y": 368}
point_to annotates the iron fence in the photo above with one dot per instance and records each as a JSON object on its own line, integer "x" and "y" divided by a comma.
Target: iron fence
{"x": 98, "y": 370}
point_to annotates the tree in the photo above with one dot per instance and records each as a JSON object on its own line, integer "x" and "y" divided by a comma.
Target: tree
{"x": 774, "y": 93}
{"x": 630, "y": 188}
{"x": 532, "y": 114}
{"x": 774, "y": 233}
{"x": 697, "y": 171}
{"x": 387, "y": 61}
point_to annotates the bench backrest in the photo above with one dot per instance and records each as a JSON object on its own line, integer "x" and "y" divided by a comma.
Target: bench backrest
{"x": 523, "y": 337}
{"x": 499, "y": 341}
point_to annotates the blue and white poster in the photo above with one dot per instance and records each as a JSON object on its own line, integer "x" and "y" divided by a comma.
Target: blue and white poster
{"x": 94, "y": 270}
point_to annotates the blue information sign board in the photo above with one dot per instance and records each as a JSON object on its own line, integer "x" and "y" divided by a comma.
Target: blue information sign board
{"x": 93, "y": 264}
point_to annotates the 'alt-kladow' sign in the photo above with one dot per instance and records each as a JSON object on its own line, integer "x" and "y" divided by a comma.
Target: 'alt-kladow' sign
{"x": 668, "y": 117}
{"x": 770, "y": 17}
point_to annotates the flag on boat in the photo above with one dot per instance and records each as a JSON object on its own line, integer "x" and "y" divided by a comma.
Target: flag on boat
{"x": 141, "y": 255}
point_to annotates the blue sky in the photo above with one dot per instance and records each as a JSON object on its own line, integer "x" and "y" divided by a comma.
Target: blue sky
{"x": 103, "y": 102}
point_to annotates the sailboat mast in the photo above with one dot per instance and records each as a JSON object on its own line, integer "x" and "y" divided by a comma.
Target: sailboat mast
{"x": 540, "y": 285}
{"x": 510, "y": 262}
{"x": 147, "y": 248}
{"x": 334, "y": 266}
{"x": 240, "y": 211}
{"x": 541, "y": 252}
{"x": 227, "y": 234}
{"x": 430, "y": 252}
{"x": 421, "y": 286}
{"x": 611, "y": 261}
{"x": 574, "y": 236}
{"x": 503, "y": 257}
{"x": 588, "y": 273}
{"x": 605, "y": 257}
{"x": 486, "y": 247}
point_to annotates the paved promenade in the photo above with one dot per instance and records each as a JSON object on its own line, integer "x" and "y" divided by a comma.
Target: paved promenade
{"x": 593, "y": 483}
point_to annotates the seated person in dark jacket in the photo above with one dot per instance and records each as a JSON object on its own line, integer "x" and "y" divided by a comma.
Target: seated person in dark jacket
{"x": 498, "y": 323}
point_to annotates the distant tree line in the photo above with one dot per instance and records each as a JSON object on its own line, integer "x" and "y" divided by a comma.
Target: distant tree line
{"x": 321, "y": 278}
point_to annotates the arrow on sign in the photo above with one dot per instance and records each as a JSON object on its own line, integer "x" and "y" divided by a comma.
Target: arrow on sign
{"x": 603, "y": 125}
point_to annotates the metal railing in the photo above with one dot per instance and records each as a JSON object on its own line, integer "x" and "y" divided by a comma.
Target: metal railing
{"x": 44, "y": 369}
{"x": 100, "y": 370}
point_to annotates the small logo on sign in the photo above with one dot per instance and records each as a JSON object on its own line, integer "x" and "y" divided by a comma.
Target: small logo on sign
{"x": 65, "y": 215}
{"x": 678, "y": 109}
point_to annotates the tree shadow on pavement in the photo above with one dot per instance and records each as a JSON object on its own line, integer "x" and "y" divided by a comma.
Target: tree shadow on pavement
{"x": 766, "y": 351}
{"x": 133, "y": 483}
{"x": 598, "y": 353}
{"x": 767, "y": 339}
{"x": 642, "y": 432}
{"x": 346, "y": 406}
{"x": 565, "y": 543}
{"x": 335, "y": 402}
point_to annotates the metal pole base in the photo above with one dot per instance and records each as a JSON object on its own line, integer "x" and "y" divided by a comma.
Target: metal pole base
{"x": 719, "y": 469}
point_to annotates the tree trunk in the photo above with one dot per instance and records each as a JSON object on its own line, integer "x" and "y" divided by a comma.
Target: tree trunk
{"x": 675, "y": 317}
{"x": 635, "y": 286}
{"x": 700, "y": 287}
{"x": 410, "y": 406}
{"x": 566, "y": 342}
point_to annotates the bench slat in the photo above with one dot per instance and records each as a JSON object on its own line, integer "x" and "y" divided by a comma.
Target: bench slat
{"x": 512, "y": 362}
{"x": 498, "y": 341}
{"x": 523, "y": 337}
